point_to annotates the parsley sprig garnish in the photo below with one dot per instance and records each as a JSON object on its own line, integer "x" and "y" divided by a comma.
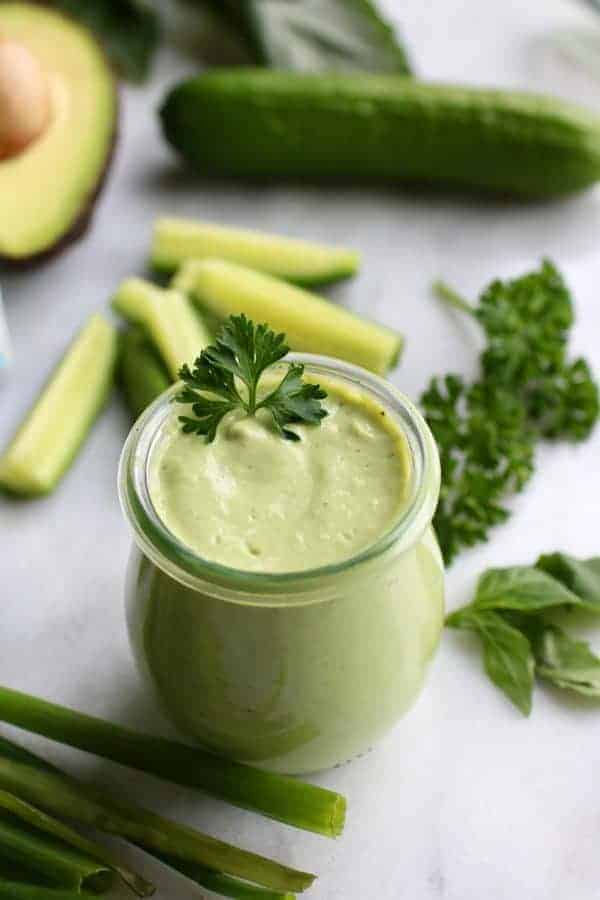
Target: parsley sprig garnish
{"x": 527, "y": 390}
{"x": 227, "y": 374}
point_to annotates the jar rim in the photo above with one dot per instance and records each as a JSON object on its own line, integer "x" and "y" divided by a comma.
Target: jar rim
{"x": 179, "y": 561}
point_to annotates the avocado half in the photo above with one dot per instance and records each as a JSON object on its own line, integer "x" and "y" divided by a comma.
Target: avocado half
{"x": 47, "y": 192}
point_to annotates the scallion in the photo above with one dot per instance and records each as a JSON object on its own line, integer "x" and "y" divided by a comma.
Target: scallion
{"x": 279, "y": 797}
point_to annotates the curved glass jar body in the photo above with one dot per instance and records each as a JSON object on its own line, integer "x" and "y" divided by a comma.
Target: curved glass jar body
{"x": 296, "y": 672}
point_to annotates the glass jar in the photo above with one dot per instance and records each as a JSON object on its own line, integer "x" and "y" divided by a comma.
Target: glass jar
{"x": 300, "y": 671}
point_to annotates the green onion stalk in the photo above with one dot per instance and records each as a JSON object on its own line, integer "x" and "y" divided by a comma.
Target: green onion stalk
{"x": 16, "y": 808}
{"x": 221, "y": 884}
{"x": 276, "y": 796}
{"x": 51, "y": 859}
{"x": 32, "y": 780}
{"x": 21, "y": 890}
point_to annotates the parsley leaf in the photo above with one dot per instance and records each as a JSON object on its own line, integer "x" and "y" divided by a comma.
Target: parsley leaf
{"x": 292, "y": 401}
{"x": 241, "y": 353}
{"x": 527, "y": 390}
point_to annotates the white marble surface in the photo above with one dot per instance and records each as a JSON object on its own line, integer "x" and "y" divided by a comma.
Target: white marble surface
{"x": 466, "y": 799}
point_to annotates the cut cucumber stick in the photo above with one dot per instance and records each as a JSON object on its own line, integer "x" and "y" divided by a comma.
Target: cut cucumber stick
{"x": 177, "y": 240}
{"x": 167, "y": 317}
{"x": 310, "y": 323}
{"x": 50, "y": 436}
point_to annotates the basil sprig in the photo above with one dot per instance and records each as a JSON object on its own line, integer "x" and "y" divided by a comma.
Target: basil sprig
{"x": 509, "y": 615}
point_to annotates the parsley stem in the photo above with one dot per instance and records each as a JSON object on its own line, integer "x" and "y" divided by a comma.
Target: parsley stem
{"x": 252, "y": 398}
{"x": 444, "y": 292}
{"x": 276, "y": 796}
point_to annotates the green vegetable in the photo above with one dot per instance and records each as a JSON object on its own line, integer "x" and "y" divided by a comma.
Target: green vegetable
{"x": 581, "y": 576}
{"x": 565, "y": 662}
{"x": 311, "y": 324}
{"x": 315, "y": 35}
{"x": 222, "y": 884}
{"x": 19, "y": 890}
{"x": 244, "y": 351}
{"x": 279, "y": 797}
{"x": 49, "y": 438}
{"x": 249, "y": 123}
{"x": 176, "y": 241}
{"x": 311, "y": 34}
{"x": 67, "y": 797}
{"x": 507, "y": 655}
{"x": 51, "y": 859}
{"x": 527, "y": 389}
{"x": 42, "y": 822}
{"x": 142, "y": 375}
{"x": 128, "y": 29}
{"x": 167, "y": 318}
{"x": 521, "y": 588}
{"x": 508, "y": 616}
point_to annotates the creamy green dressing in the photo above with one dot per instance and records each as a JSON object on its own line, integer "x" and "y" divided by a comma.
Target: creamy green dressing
{"x": 307, "y": 676}
{"x": 253, "y": 501}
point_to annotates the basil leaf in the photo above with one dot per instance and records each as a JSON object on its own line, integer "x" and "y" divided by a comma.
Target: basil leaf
{"x": 507, "y": 656}
{"x": 522, "y": 588}
{"x": 566, "y": 662}
{"x": 128, "y": 29}
{"x": 581, "y": 576}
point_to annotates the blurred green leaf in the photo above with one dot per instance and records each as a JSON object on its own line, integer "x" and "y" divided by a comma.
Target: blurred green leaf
{"x": 315, "y": 35}
{"x": 581, "y": 576}
{"x": 566, "y": 662}
{"x": 129, "y": 31}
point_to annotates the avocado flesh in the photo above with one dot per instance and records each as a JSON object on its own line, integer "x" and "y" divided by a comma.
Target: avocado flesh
{"x": 48, "y": 190}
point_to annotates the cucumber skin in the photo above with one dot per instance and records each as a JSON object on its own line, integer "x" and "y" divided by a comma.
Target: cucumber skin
{"x": 142, "y": 375}
{"x": 164, "y": 270}
{"x": 260, "y": 123}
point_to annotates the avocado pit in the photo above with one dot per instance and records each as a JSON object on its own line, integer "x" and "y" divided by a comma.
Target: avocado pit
{"x": 24, "y": 98}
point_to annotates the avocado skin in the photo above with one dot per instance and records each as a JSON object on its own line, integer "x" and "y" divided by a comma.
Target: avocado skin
{"x": 80, "y": 225}
{"x": 271, "y": 124}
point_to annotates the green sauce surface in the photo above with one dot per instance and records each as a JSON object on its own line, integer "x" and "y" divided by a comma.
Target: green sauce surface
{"x": 256, "y": 502}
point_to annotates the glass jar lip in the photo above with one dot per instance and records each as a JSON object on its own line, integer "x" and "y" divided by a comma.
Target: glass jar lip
{"x": 171, "y": 555}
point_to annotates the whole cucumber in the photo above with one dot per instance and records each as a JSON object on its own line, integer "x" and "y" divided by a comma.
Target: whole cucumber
{"x": 274, "y": 124}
